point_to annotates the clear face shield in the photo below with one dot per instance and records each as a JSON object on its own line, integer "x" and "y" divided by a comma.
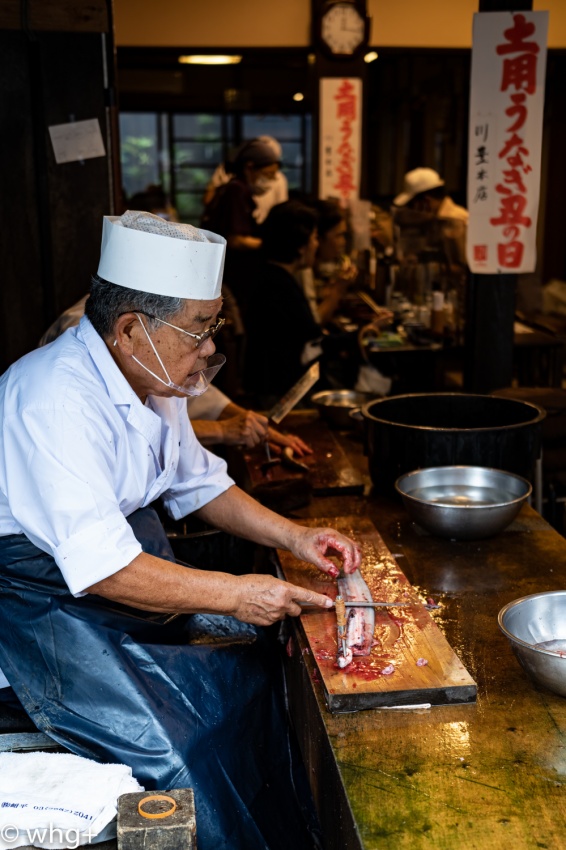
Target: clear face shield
{"x": 197, "y": 383}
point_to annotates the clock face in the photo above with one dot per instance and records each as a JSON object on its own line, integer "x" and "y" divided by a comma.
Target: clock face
{"x": 343, "y": 28}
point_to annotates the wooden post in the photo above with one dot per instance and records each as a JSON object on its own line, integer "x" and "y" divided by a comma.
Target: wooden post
{"x": 324, "y": 66}
{"x": 490, "y": 308}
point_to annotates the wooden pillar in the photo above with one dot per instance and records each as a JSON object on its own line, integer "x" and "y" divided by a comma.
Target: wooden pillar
{"x": 56, "y": 66}
{"x": 490, "y": 308}
{"x": 324, "y": 64}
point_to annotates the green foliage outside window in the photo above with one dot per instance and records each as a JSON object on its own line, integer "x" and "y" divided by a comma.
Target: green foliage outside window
{"x": 139, "y": 157}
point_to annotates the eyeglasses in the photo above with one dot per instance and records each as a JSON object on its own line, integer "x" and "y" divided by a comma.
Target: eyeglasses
{"x": 210, "y": 333}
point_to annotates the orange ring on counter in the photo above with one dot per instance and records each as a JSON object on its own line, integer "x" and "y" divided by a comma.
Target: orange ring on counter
{"x": 155, "y": 815}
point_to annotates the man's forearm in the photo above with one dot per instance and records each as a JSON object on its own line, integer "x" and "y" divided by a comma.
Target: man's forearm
{"x": 237, "y": 513}
{"x": 153, "y": 584}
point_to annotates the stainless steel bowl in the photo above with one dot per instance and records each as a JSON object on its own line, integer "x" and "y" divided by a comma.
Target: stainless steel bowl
{"x": 536, "y": 628}
{"x": 462, "y": 502}
{"x": 335, "y": 405}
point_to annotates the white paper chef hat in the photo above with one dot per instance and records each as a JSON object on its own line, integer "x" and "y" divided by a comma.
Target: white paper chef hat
{"x": 145, "y": 252}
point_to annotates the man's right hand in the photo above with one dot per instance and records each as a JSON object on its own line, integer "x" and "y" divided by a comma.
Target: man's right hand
{"x": 262, "y": 599}
{"x": 245, "y": 429}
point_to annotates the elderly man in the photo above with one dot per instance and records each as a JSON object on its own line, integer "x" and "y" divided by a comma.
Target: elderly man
{"x": 94, "y": 637}
{"x": 215, "y": 418}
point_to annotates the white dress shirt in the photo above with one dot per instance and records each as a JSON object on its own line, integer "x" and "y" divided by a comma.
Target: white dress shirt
{"x": 80, "y": 453}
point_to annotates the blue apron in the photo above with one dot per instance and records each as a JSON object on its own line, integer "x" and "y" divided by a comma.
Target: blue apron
{"x": 193, "y": 702}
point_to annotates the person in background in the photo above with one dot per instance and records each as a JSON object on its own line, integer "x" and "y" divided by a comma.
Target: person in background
{"x": 277, "y": 193}
{"x": 333, "y": 272}
{"x": 325, "y": 287}
{"x": 424, "y": 192}
{"x": 231, "y": 214}
{"x": 215, "y": 418}
{"x": 283, "y": 337}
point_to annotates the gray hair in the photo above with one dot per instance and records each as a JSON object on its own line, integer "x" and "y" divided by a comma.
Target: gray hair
{"x": 107, "y": 301}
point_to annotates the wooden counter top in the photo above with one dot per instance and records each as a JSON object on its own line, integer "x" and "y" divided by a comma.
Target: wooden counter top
{"x": 486, "y": 776}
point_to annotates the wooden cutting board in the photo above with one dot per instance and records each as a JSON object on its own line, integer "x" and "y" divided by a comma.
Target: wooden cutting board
{"x": 395, "y": 673}
{"x": 330, "y": 470}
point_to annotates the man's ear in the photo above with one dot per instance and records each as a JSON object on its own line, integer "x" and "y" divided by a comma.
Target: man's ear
{"x": 126, "y": 331}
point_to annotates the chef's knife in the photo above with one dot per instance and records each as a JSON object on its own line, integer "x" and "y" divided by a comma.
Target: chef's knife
{"x": 295, "y": 394}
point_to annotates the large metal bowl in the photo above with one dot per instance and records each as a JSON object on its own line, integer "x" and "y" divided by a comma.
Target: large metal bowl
{"x": 536, "y": 628}
{"x": 462, "y": 502}
{"x": 334, "y": 406}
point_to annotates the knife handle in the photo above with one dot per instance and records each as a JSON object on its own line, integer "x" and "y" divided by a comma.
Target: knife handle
{"x": 340, "y": 613}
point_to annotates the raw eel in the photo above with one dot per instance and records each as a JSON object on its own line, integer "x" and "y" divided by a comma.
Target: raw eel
{"x": 361, "y": 621}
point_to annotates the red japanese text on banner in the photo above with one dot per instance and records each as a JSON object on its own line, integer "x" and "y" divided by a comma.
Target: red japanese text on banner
{"x": 505, "y": 140}
{"x": 340, "y": 137}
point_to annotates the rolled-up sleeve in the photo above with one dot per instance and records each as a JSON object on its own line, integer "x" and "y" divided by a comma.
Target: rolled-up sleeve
{"x": 98, "y": 552}
{"x": 59, "y": 482}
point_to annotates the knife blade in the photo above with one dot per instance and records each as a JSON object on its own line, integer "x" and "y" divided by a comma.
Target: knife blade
{"x": 293, "y": 396}
{"x": 313, "y": 606}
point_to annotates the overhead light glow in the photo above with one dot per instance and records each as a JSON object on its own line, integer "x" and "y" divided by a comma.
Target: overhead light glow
{"x": 209, "y": 59}
{"x": 298, "y": 96}
{"x": 371, "y": 57}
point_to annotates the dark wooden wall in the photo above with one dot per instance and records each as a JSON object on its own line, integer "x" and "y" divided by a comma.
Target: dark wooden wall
{"x": 56, "y": 65}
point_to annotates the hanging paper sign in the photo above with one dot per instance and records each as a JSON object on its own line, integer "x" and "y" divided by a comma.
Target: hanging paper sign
{"x": 505, "y": 139}
{"x": 340, "y": 137}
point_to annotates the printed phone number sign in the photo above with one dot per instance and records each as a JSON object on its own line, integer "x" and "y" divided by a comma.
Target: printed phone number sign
{"x": 505, "y": 140}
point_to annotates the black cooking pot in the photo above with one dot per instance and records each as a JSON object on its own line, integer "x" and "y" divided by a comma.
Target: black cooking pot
{"x": 408, "y": 432}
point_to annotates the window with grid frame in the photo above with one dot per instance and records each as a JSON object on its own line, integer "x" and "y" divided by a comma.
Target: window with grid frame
{"x": 182, "y": 151}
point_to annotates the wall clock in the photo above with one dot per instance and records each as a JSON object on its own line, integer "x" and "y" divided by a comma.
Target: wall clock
{"x": 342, "y": 28}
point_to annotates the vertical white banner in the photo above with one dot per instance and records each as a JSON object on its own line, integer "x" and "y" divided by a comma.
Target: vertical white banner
{"x": 340, "y": 138}
{"x": 505, "y": 140}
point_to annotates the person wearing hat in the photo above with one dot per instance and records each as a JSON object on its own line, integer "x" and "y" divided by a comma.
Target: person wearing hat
{"x": 103, "y": 636}
{"x": 277, "y": 193}
{"x": 231, "y": 213}
{"x": 424, "y": 192}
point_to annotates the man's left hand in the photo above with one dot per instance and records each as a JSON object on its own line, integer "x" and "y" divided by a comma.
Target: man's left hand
{"x": 318, "y": 545}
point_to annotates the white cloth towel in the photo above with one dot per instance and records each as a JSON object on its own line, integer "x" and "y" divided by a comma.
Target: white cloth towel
{"x": 370, "y": 380}
{"x": 58, "y": 800}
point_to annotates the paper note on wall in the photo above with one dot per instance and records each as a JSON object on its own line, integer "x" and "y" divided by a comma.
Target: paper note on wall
{"x": 77, "y": 140}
